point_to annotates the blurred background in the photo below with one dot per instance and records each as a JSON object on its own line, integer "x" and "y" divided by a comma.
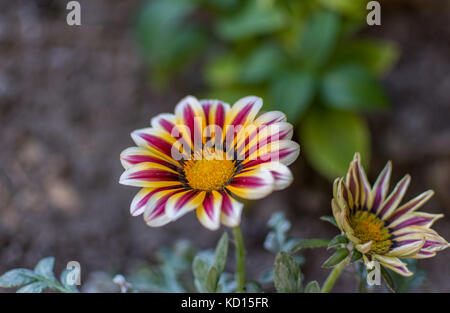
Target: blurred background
{"x": 71, "y": 95}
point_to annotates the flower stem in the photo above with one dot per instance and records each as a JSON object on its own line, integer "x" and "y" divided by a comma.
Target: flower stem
{"x": 240, "y": 258}
{"x": 334, "y": 275}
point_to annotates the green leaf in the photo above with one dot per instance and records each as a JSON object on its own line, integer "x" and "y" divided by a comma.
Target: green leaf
{"x": 200, "y": 268}
{"x": 253, "y": 287}
{"x": 352, "y": 87}
{"x": 337, "y": 241}
{"x": 261, "y": 64}
{"x": 309, "y": 243}
{"x": 223, "y": 71}
{"x": 291, "y": 93}
{"x": 376, "y": 55}
{"x": 319, "y": 38}
{"x": 287, "y": 276}
{"x": 17, "y": 277}
{"x": 276, "y": 239}
{"x": 212, "y": 278}
{"x": 355, "y": 256}
{"x": 267, "y": 276}
{"x": 45, "y": 268}
{"x": 390, "y": 283}
{"x": 330, "y": 139}
{"x": 336, "y": 258}
{"x": 312, "y": 287}
{"x": 35, "y": 287}
{"x": 220, "y": 257}
{"x": 257, "y": 18}
{"x": 353, "y": 8}
{"x": 329, "y": 219}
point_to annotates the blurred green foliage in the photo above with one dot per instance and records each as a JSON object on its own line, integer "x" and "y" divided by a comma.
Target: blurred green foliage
{"x": 304, "y": 58}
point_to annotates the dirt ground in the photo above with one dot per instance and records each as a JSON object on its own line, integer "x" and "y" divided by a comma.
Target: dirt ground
{"x": 70, "y": 96}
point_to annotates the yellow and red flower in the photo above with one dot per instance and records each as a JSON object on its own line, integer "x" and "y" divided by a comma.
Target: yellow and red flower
{"x": 378, "y": 225}
{"x": 239, "y": 155}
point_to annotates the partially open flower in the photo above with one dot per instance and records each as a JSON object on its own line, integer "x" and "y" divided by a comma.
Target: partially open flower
{"x": 203, "y": 156}
{"x": 378, "y": 225}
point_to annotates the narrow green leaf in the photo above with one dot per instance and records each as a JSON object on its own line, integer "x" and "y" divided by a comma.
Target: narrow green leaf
{"x": 35, "y": 287}
{"x": 220, "y": 257}
{"x": 329, "y": 219}
{"x": 17, "y": 277}
{"x": 336, "y": 258}
{"x": 309, "y": 243}
{"x": 287, "y": 276}
{"x": 330, "y": 139}
{"x": 390, "y": 283}
{"x": 45, "y": 268}
{"x": 352, "y": 87}
{"x": 355, "y": 256}
{"x": 212, "y": 278}
{"x": 312, "y": 287}
{"x": 261, "y": 64}
{"x": 200, "y": 269}
{"x": 337, "y": 241}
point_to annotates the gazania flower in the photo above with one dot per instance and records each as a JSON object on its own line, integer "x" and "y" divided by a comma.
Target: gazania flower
{"x": 378, "y": 225}
{"x": 204, "y": 156}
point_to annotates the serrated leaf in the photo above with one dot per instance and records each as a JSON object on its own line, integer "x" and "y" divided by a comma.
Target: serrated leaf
{"x": 355, "y": 256}
{"x": 329, "y": 219}
{"x": 45, "y": 268}
{"x": 309, "y": 243}
{"x": 253, "y": 287}
{"x": 17, "y": 277}
{"x": 212, "y": 278}
{"x": 35, "y": 287}
{"x": 220, "y": 257}
{"x": 330, "y": 139}
{"x": 337, "y": 241}
{"x": 336, "y": 258}
{"x": 352, "y": 87}
{"x": 292, "y": 93}
{"x": 312, "y": 287}
{"x": 286, "y": 274}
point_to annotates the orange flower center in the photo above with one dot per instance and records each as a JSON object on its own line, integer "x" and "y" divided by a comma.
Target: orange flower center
{"x": 368, "y": 227}
{"x": 209, "y": 173}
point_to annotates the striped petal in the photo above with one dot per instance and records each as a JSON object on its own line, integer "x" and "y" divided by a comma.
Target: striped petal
{"x": 381, "y": 187}
{"x": 191, "y": 120}
{"x": 417, "y": 219}
{"x": 155, "y": 211}
{"x": 411, "y": 205}
{"x": 394, "y": 264}
{"x": 394, "y": 199}
{"x": 244, "y": 111}
{"x": 406, "y": 248}
{"x": 149, "y": 174}
{"x": 365, "y": 189}
{"x": 269, "y": 118}
{"x": 284, "y": 151}
{"x": 253, "y": 184}
{"x": 164, "y": 121}
{"x": 215, "y": 112}
{"x": 135, "y": 155}
{"x": 252, "y": 139}
{"x": 183, "y": 202}
{"x": 282, "y": 175}
{"x": 209, "y": 211}
{"x": 141, "y": 199}
{"x": 231, "y": 210}
{"x": 156, "y": 140}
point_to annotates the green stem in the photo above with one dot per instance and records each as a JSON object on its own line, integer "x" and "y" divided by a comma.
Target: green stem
{"x": 240, "y": 258}
{"x": 334, "y": 275}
